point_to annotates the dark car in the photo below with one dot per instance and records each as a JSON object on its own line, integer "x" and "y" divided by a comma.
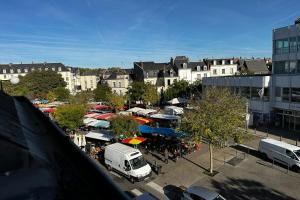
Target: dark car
{"x": 200, "y": 193}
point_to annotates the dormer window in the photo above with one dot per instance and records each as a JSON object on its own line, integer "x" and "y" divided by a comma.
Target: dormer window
{"x": 184, "y": 65}
{"x": 4, "y": 71}
{"x": 59, "y": 69}
{"x": 147, "y": 74}
{"x": 46, "y": 69}
{"x": 53, "y": 68}
{"x": 198, "y": 68}
{"x": 11, "y": 71}
{"x": 205, "y": 67}
{"x": 19, "y": 70}
{"x": 171, "y": 73}
{"x": 40, "y": 69}
{"x": 25, "y": 70}
{"x": 32, "y": 69}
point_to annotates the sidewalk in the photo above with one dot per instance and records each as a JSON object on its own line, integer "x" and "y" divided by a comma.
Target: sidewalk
{"x": 286, "y": 136}
{"x": 190, "y": 168}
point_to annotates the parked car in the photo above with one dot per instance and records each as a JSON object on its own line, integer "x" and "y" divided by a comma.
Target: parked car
{"x": 200, "y": 193}
{"x": 127, "y": 161}
{"x": 281, "y": 152}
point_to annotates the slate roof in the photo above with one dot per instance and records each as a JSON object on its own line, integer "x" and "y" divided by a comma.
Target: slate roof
{"x": 257, "y": 66}
{"x": 193, "y": 66}
{"x": 35, "y": 66}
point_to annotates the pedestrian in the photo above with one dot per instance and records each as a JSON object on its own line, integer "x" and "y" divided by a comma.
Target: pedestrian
{"x": 166, "y": 155}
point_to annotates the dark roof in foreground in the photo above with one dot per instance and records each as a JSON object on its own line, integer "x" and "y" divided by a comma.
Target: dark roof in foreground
{"x": 39, "y": 161}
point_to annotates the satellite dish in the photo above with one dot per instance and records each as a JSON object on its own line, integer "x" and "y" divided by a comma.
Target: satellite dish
{"x": 14, "y": 80}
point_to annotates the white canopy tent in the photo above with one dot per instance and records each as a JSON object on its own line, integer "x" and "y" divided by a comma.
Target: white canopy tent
{"x": 146, "y": 112}
{"x": 99, "y": 136}
{"x": 177, "y": 100}
{"x": 88, "y": 120}
{"x": 135, "y": 110}
{"x": 173, "y": 110}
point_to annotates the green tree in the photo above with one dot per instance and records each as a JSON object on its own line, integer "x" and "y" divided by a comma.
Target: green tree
{"x": 51, "y": 96}
{"x": 126, "y": 126}
{"x": 219, "y": 116}
{"x": 136, "y": 91}
{"x": 116, "y": 101}
{"x": 15, "y": 90}
{"x": 70, "y": 116}
{"x": 82, "y": 97}
{"x": 102, "y": 92}
{"x": 39, "y": 83}
{"x": 177, "y": 89}
{"x": 150, "y": 95}
{"x": 62, "y": 94}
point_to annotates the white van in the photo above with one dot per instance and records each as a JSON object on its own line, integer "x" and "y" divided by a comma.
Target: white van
{"x": 280, "y": 151}
{"x": 127, "y": 160}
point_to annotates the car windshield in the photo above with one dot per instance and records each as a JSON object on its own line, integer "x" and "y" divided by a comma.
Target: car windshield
{"x": 297, "y": 153}
{"x": 138, "y": 162}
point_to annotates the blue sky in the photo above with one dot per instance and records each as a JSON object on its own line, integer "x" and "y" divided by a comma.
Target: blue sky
{"x": 105, "y": 33}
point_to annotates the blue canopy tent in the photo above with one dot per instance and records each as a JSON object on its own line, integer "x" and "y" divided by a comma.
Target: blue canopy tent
{"x": 168, "y": 132}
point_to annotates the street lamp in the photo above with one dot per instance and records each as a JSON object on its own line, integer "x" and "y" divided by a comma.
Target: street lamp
{"x": 14, "y": 80}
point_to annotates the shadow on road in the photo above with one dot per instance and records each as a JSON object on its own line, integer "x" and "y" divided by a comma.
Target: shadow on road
{"x": 173, "y": 192}
{"x": 233, "y": 188}
{"x": 194, "y": 163}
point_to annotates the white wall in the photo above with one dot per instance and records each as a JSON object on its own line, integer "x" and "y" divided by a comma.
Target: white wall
{"x": 230, "y": 70}
{"x": 185, "y": 74}
{"x": 195, "y": 75}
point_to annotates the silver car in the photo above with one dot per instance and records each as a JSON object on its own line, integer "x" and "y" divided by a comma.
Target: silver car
{"x": 200, "y": 193}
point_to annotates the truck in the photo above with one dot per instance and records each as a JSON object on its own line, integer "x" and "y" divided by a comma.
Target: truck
{"x": 127, "y": 161}
{"x": 281, "y": 152}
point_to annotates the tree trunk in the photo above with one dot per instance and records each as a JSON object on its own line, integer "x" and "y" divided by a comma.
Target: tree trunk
{"x": 211, "y": 169}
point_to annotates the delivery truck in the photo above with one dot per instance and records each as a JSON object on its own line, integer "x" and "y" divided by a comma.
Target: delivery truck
{"x": 126, "y": 160}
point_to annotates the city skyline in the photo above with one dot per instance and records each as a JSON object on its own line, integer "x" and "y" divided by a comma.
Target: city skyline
{"x": 104, "y": 34}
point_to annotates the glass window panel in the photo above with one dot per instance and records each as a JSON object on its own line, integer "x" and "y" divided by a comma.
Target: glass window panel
{"x": 278, "y": 92}
{"x": 286, "y": 67}
{"x": 293, "y": 44}
{"x": 286, "y": 94}
{"x": 255, "y": 93}
{"x": 279, "y": 67}
{"x": 245, "y": 92}
{"x": 293, "y": 65}
{"x": 295, "y": 97}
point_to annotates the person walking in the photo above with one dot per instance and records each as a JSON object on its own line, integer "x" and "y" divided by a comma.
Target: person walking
{"x": 166, "y": 156}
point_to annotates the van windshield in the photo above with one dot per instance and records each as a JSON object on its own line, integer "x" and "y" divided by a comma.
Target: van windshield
{"x": 297, "y": 153}
{"x": 138, "y": 162}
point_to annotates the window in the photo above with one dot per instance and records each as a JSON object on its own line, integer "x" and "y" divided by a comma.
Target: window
{"x": 184, "y": 65}
{"x": 298, "y": 64}
{"x": 245, "y": 92}
{"x": 255, "y": 91}
{"x": 120, "y": 84}
{"x": 298, "y": 44}
{"x": 205, "y": 67}
{"x": 4, "y": 71}
{"x": 67, "y": 78}
{"x": 198, "y": 76}
{"x": 114, "y": 84}
{"x": 278, "y": 92}
{"x": 40, "y": 69}
{"x": 214, "y": 71}
{"x": 4, "y": 76}
{"x": 147, "y": 74}
{"x": 281, "y": 67}
{"x": 121, "y": 92}
{"x": 295, "y": 95}
{"x": 231, "y": 70}
{"x": 290, "y": 154}
{"x": 223, "y": 71}
{"x": 19, "y": 70}
{"x": 169, "y": 82}
{"x": 46, "y": 69}
{"x": 11, "y": 71}
{"x": 293, "y": 65}
{"x": 285, "y": 94}
{"x": 198, "y": 68}
{"x": 32, "y": 69}
{"x": 53, "y": 68}
{"x": 59, "y": 69}
{"x": 26, "y": 70}
{"x": 205, "y": 75}
{"x": 293, "y": 44}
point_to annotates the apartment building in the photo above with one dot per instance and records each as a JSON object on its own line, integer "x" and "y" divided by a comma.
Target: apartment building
{"x": 119, "y": 81}
{"x": 88, "y": 81}
{"x": 275, "y": 97}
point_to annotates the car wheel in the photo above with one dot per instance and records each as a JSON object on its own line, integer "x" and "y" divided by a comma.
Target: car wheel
{"x": 109, "y": 168}
{"x": 264, "y": 156}
{"x": 296, "y": 168}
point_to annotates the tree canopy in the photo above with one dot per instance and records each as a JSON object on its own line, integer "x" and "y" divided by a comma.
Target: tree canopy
{"x": 70, "y": 116}
{"x": 116, "y": 101}
{"x": 102, "y": 92}
{"x": 150, "y": 94}
{"x": 82, "y": 97}
{"x": 219, "y": 116}
{"x": 145, "y": 92}
{"x": 61, "y": 93}
{"x": 177, "y": 89}
{"x": 125, "y": 125}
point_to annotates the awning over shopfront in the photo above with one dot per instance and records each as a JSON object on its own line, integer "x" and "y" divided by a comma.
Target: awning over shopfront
{"x": 166, "y": 117}
{"x": 142, "y": 120}
{"x": 99, "y": 124}
{"x": 135, "y": 140}
{"x": 106, "y": 116}
{"x": 168, "y": 132}
{"x": 99, "y": 136}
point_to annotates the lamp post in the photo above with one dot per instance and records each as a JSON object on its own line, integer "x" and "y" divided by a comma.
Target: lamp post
{"x": 14, "y": 80}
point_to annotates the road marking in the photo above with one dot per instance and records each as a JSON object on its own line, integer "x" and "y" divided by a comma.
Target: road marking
{"x": 156, "y": 187}
{"x": 136, "y": 192}
{"x": 114, "y": 173}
